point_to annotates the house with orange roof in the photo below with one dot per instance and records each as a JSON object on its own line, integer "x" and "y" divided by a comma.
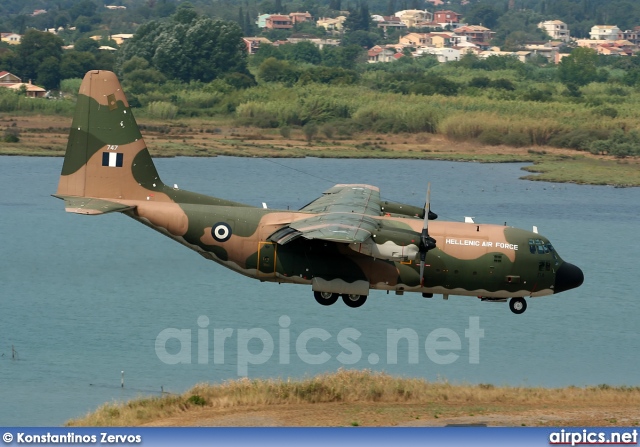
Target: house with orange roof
{"x": 278, "y": 21}
{"x": 300, "y": 17}
{"x": 8, "y": 79}
{"x": 381, "y": 54}
{"x": 32, "y": 91}
{"x": 476, "y": 34}
{"x": 446, "y": 17}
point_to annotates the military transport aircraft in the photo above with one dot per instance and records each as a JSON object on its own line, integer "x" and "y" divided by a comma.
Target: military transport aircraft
{"x": 343, "y": 244}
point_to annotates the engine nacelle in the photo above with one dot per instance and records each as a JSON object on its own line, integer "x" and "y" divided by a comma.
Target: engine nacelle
{"x": 402, "y": 209}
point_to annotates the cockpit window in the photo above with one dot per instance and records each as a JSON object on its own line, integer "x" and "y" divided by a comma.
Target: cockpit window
{"x": 538, "y": 246}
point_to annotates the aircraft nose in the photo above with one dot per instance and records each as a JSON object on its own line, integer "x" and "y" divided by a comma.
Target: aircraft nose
{"x": 568, "y": 277}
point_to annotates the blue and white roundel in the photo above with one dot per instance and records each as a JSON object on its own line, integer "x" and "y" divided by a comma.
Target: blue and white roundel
{"x": 221, "y": 232}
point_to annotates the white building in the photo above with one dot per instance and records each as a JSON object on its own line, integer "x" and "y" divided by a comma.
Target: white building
{"x": 556, "y": 29}
{"x": 605, "y": 32}
{"x": 442, "y": 54}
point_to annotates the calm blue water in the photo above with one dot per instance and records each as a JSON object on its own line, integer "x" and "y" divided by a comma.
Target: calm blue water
{"x": 83, "y": 298}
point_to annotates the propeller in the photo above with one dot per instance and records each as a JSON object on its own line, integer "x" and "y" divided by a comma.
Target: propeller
{"x": 426, "y": 242}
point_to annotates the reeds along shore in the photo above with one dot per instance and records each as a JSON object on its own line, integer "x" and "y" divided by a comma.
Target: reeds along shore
{"x": 605, "y": 112}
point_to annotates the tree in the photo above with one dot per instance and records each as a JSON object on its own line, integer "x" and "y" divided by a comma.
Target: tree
{"x": 185, "y": 14}
{"x": 85, "y": 8}
{"x": 483, "y": 14}
{"x": 274, "y": 70}
{"x": 86, "y": 44}
{"x": 75, "y": 64}
{"x": 36, "y": 47}
{"x": 579, "y": 68}
{"x": 48, "y": 74}
{"x": 305, "y": 52}
{"x": 524, "y": 23}
{"x": 363, "y": 39}
{"x": 264, "y": 52}
{"x": 343, "y": 57}
{"x": 82, "y": 24}
{"x": 201, "y": 49}
{"x": 359, "y": 18}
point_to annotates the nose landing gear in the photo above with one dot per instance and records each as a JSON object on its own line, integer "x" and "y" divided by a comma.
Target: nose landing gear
{"x": 517, "y": 305}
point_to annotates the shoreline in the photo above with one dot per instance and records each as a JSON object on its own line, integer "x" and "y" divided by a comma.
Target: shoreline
{"x": 46, "y": 136}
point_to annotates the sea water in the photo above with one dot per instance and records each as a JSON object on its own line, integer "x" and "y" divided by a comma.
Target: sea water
{"x": 85, "y": 300}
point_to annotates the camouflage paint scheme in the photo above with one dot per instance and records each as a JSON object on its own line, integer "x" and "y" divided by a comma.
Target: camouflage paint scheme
{"x": 346, "y": 242}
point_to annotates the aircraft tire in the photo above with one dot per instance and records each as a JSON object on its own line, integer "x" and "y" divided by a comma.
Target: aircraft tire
{"x": 517, "y": 305}
{"x": 326, "y": 298}
{"x": 354, "y": 300}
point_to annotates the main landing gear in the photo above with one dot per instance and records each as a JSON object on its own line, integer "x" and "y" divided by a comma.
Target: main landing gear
{"x": 354, "y": 300}
{"x": 517, "y": 305}
{"x": 328, "y": 298}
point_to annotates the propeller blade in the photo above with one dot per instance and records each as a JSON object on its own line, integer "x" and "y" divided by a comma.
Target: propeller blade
{"x": 424, "y": 237}
{"x": 427, "y": 209}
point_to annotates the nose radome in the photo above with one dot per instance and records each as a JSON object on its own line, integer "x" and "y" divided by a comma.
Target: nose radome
{"x": 568, "y": 277}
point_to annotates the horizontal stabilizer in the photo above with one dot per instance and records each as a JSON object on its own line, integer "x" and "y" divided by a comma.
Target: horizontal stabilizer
{"x": 87, "y": 205}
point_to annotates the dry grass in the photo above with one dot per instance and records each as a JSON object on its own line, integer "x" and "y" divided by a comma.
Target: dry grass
{"x": 355, "y": 387}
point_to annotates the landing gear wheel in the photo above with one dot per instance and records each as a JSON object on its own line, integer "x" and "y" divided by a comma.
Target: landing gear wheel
{"x": 354, "y": 300}
{"x": 517, "y": 305}
{"x": 326, "y": 298}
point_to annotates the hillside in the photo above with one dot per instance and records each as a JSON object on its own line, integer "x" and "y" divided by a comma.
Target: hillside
{"x": 365, "y": 398}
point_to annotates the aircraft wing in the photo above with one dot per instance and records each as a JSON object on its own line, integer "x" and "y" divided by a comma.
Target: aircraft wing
{"x": 343, "y": 216}
{"x": 361, "y": 199}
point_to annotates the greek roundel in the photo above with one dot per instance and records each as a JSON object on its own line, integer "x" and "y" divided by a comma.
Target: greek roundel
{"x": 221, "y": 231}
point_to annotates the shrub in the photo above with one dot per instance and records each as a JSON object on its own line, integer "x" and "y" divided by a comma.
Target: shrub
{"x": 579, "y": 139}
{"x": 197, "y": 400}
{"x": 285, "y": 132}
{"x": 535, "y": 94}
{"x": 502, "y": 84}
{"x": 517, "y": 139}
{"x": 620, "y": 144}
{"x": 11, "y": 135}
{"x": 328, "y": 130}
{"x": 310, "y": 131}
{"x": 606, "y": 111}
{"x": 162, "y": 110}
{"x": 480, "y": 82}
{"x": 491, "y": 137}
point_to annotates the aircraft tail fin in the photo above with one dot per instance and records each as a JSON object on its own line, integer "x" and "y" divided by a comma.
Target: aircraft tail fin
{"x": 106, "y": 156}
